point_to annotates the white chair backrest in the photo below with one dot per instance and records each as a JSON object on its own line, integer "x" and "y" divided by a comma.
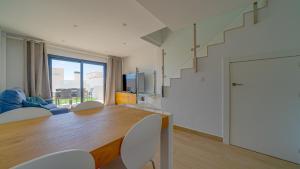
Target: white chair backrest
{"x": 70, "y": 159}
{"x": 23, "y": 114}
{"x": 141, "y": 142}
{"x": 86, "y": 106}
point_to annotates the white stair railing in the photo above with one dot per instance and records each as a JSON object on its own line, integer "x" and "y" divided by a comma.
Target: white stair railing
{"x": 202, "y": 51}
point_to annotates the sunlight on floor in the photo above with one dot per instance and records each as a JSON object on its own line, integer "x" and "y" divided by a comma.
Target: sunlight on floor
{"x": 195, "y": 152}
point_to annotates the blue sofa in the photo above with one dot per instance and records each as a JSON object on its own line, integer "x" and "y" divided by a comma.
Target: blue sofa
{"x": 14, "y": 98}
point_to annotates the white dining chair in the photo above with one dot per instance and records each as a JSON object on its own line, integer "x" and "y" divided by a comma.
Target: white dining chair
{"x": 70, "y": 159}
{"x": 139, "y": 144}
{"x": 86, "y": 106}
{"x": 23, "y": 114}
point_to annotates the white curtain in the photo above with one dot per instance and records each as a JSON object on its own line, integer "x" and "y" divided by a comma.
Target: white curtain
{"x": 37, "y": 81}
{"x": 113, "y": 79}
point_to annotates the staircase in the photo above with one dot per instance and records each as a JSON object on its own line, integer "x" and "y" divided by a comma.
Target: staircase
{"x": 237, "y": 23}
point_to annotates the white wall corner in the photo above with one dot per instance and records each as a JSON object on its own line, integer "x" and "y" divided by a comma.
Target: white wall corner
{"x": 2, "y": 60}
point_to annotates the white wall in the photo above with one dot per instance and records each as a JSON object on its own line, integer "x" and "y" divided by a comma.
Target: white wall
{"x": 75, "y": 53}
{"x": 2, "y": 60}
{"x": 14, "y": 63}
{"x": 184, "y": 100}
{"x": 147, "y": 59}
{"x": 196, "y": 99}
{"x": 178, "y": 44}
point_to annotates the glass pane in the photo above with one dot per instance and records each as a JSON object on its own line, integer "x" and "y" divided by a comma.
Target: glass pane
{"x": 93, "y": 82}
{"x": 65, "y": 83}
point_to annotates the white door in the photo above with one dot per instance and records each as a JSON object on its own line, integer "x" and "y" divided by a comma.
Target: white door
{"x": 265, "y": 106}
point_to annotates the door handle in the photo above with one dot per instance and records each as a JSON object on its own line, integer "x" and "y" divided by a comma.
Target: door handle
{"x": 237, "y": 84}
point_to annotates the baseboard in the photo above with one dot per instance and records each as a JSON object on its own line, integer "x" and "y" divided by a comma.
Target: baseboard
{"x": 209, "y": 136}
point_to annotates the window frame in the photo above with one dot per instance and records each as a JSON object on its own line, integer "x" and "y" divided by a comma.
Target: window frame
{"x": 52, "y": 57}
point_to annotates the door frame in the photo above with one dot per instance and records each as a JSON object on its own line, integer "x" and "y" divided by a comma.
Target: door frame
{"x": 226, "y": 83}
{"x": 81, "y": 62}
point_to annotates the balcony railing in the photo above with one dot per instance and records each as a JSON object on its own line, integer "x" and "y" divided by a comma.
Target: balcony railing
{"x": 71, "y": 96}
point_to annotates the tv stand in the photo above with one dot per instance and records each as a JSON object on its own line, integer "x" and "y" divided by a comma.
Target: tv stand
{"x": 125, "y": 98}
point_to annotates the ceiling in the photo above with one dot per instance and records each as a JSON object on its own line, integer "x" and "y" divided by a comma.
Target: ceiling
{"x": 103, "y": 26}
{"x": 179, "y": 13}
{"x": 112, "y": 27}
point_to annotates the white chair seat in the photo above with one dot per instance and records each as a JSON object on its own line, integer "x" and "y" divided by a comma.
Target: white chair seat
{"x": 23, "y": 114}
{"x": 70, "y": 159}
{"x": 86, "y": 106}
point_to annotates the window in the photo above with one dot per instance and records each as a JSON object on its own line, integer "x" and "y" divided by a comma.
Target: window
{"x": 74, "y": 81}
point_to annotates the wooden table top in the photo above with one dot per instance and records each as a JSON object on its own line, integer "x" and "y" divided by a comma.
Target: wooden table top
{"x": 99, "y": 132}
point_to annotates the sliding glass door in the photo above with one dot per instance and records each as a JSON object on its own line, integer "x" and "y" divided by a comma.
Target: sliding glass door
{"x": 65, "y": 78}
{"x": 74, "y": 81}
{"x": 93, "y": 82}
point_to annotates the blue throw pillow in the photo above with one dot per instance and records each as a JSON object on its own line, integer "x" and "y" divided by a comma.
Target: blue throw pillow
{"x": 36, "y": 100}
{"x": 30, "y": 104}
{"x": 20, "y": 93}
{"x": 13, "y": 96}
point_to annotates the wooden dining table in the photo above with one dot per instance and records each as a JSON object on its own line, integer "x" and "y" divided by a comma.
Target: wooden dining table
{"x": 98, "y": 131}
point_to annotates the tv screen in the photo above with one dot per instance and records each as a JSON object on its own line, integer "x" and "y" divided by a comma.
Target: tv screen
{"x": 131, "y": 82}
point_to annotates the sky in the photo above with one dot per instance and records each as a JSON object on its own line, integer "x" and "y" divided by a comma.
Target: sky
{"x": 71, "y": 67}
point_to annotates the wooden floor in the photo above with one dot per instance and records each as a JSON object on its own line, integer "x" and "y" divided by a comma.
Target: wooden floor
{"x": 196, "y": 152}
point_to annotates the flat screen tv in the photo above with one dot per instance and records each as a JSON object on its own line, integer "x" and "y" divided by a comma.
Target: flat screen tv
{"x": 132, "y": 80}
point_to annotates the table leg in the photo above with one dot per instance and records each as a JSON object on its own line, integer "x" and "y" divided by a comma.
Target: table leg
{"x": 166, "y": 149}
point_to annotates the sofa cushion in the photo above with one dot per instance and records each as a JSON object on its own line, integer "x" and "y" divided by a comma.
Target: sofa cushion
{"x": 57, "y": 111}
{"x": 49, "y": 106}
{"x": 4, "y": 107}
